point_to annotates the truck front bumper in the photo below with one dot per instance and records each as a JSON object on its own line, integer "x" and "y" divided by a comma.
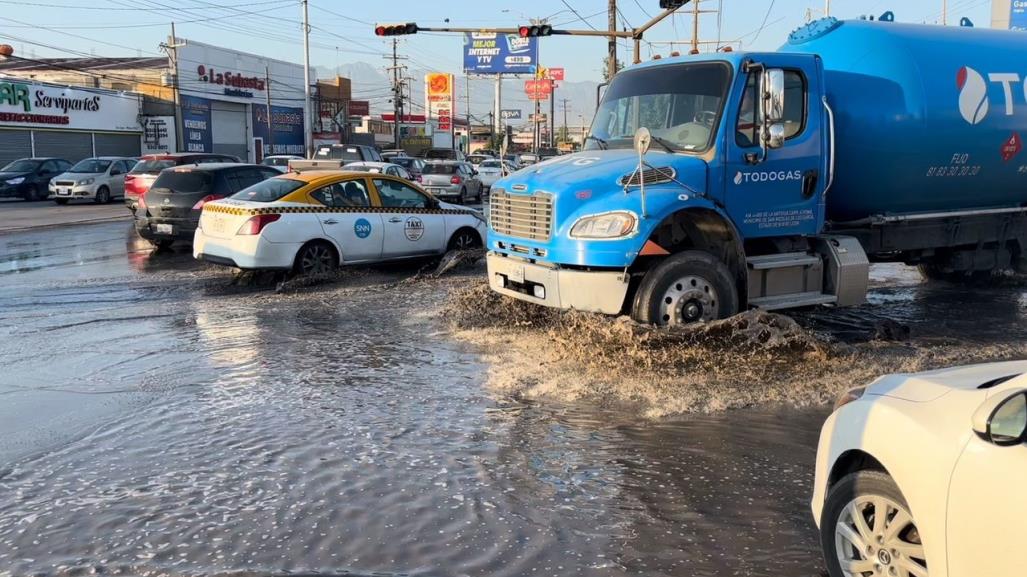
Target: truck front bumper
{"x": 551, "y": 286}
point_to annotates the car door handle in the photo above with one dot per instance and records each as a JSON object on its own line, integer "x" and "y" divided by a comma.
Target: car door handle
{"x": 395, "y": 219}
{"x": 331, "y": 221}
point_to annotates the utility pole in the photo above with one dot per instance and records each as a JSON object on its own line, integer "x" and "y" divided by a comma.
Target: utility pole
{"x": 566, "y": 133}
{"x": 611, "y": 65}
{"x": 552, "y": 116}
{"x": 827, "y": 8}
{"x": 695, "y": 26}
{"x": 270, "y": 127}
{"x": 308, "y": 142}
{"x": 397, "y": 93}
{"x": 497, "y": 105}
{"x": 172, "y": 50}
{"x": 944, "y": 12}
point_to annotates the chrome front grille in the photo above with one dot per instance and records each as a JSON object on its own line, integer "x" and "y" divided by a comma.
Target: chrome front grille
{"x": 528, "y": 216}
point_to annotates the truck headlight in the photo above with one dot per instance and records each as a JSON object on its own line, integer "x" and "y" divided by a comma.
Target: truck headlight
{"x": 18, "y": 180}
{"x": 608, "y": 225}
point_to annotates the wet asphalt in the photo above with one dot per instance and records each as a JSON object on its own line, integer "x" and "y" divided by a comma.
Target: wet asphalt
{"x": 160, "y": 418}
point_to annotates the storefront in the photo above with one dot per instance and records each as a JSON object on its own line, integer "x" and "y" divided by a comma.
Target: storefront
{"x": 39, "y": 119}
{"x": 223, "y": 98}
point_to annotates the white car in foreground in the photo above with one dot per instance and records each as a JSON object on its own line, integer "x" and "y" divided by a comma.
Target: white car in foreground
{"x": 924, "y": 475}
{"x": 313, "y": 222}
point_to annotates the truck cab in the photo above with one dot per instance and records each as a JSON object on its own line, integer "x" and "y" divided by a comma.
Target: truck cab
{"x": 700, "y": 191}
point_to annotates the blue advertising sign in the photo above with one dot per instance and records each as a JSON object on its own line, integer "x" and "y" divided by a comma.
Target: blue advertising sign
{"x": 196, "y": 131}
{"x": 287, "y": 124}
{"x": 491, "y": 53}
{"x": 510, "y": 114}
{"x": 1018, "y": 15}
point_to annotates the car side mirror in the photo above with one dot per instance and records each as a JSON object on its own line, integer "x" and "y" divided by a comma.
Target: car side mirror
{"x": 1002, "y": 419}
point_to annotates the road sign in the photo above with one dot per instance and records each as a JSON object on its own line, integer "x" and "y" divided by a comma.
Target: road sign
{"x": 540, "y": 118}
{"x": 556, "y": 73}
{"x": 510, "y": 114}
{"x": 491, "y": 53}
{"x": 538, "y": 89}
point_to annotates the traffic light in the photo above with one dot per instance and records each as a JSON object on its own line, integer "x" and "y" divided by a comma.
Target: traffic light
{"x": 395, "y": 29}
{"x": 535, "y": 30}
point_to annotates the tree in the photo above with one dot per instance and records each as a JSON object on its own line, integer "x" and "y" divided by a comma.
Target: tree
{"x": 606, "y": 67}
{"x": 562, "y": 134}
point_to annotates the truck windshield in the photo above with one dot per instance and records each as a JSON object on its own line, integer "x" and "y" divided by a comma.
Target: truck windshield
{"x": 679, "y": 103}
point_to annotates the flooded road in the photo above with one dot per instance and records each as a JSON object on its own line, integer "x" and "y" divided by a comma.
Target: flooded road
{"x": 156, "y": 419}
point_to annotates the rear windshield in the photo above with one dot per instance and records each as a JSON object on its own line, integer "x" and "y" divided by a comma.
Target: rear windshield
{"x": 405, "y": 162}
{"x": 439, "y": 169}
{"x": 363, "y": 168}
{"x": 439, "y": 153}
{"x": 477, "y": 158}
{"x": 152, "y": 166}
{"x": 276, "y": 162}
{"x": 339, "y": 153}
{"x": 90, "y": 166}
{"x": 491, "y": 164}
{"x": 269, "y": 190}
{"x": 184, "y": 181}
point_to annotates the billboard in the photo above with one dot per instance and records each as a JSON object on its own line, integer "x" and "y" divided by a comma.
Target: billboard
{"x": 30, "y": 105}
{"x": 510, "y": 114}
{"x": 287, "y": 125}
{"x": 438, "y": 96}
{"x": 538, "y": 89}
{"x": 196, "y": 130}
{"x": 491, "y": 53}
{"x": 1018, "y": 15}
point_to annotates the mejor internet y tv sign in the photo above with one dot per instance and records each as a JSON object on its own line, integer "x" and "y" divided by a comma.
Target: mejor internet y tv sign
{"x": 30, "y": 105}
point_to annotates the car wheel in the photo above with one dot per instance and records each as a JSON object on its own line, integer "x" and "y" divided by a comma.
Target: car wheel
{"x": 867, "y": 529}
{"x": 316, "y": 258}
{"x": 464, "y": 239}
{"x": 61, "y": 201}
{"x": 463, "y": 196}
{"x": 103, "y": 195}
{"x": 686, "y": 288}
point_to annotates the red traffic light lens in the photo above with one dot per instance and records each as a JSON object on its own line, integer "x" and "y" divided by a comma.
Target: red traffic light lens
{"x": 524, "y": 31}
{"x": 379, "y": 31}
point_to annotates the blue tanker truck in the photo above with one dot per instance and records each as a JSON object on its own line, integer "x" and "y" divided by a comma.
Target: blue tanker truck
{"x": 714, "y": 183}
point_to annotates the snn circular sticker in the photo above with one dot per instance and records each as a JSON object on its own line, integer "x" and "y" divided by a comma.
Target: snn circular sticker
{"x": 414, "y": 228}
{"x": 362, "y": 228}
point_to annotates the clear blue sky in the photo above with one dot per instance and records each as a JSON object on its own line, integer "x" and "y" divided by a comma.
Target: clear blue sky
{"x": 342, "y": 31}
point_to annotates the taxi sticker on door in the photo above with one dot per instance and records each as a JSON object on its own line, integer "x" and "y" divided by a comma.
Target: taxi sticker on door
{"x": 414, "y": 228}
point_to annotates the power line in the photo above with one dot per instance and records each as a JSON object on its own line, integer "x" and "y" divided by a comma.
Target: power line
{"x": 571, "y": 8}
{"x": 764, "y": 25}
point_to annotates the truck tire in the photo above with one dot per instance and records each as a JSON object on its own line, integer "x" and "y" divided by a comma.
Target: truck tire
{"x": 686, "y": 288}
{"x": 935, "y": 273}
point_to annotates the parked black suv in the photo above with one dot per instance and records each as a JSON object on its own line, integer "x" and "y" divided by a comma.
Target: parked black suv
{"x": 29, "y": 178}
{"x": 170, "y": 209}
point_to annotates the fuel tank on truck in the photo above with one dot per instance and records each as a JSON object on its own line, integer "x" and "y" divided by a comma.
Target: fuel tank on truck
{"x": 927, "y": 118}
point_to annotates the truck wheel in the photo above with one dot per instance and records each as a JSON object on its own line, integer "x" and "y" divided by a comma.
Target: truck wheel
{"x": 867, "y": 527}
{"x": 932, "y": 272}
{"x": 686, "y": 288}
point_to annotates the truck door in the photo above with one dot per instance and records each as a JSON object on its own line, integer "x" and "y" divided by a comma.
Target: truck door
{"x": 782, "y": 193}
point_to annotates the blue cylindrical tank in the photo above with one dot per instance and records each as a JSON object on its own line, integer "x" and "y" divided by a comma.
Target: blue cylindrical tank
{"x": 927, "y": 118}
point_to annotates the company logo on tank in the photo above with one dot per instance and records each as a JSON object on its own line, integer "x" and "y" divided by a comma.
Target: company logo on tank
{"x": 974, "y": 105}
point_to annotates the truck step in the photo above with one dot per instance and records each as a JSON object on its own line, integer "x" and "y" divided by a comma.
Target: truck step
{"x": 792, "y": 301}
{"x": 784, "y": 260}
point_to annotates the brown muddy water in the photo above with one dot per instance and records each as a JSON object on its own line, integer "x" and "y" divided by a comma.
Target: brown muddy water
{"x": 159, "y": 418}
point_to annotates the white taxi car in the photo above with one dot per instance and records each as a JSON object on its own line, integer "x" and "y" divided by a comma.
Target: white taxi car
{"x": 922, "y": 475}
{"x": 313, "y": 222}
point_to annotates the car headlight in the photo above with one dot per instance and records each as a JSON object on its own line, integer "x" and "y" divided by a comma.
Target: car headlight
{"x": 18, "y": 180}
{"x": 86, "y": 181}
{"x": 849, "y": 396}
{"x": 608, "y": 225}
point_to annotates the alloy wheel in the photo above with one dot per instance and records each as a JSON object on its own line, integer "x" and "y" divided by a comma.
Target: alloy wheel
{"x": 316, "y": 259}
{"x": 876, "y": 537}
{"x": 464, "y": 241}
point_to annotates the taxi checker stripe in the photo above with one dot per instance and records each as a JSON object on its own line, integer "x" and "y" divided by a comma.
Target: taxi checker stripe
{"x": 237, "y": 211}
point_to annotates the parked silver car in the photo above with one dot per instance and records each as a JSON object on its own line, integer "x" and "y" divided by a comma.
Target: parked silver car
{"x": 492, "y": 170}
{"x": 451, "y": 181}
{"x": 98, "y": 179}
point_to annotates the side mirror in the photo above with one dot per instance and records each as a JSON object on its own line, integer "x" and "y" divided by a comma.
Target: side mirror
{"x": 772, "y": 101}
{"x": 775, "y": 135}
{"x": 1002, "y": 419}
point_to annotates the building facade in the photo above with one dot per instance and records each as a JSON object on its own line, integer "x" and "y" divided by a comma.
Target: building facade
{"x": 39, "y": 119}
{"x": 223, "y": 96}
